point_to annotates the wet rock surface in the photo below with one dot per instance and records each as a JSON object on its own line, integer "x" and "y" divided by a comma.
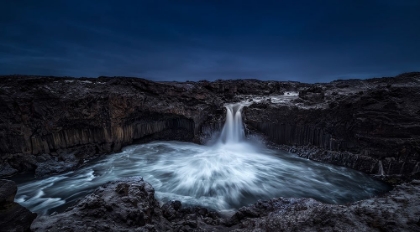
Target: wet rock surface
{"x": 370, "y": 125}
{"x": 398, "y": 210}
{"x": 130, "y": 205}
{"x": 13, "y": 217}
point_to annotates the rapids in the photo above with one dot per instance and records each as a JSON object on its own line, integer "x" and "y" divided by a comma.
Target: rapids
{"x": 232, "y": 172}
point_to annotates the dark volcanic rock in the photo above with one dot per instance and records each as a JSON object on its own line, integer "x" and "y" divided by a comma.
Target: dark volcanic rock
{"x": 130, "y": 205}
{"x": 193, "y": 217}
{"x": 399, "y": 210}
{"x": 127, "y": 205}
{"x": 371, "y": 125}
{"x": 90, "y": 117}
{"x": 8, "y": 190}
{"x": 44, "y": 118}
{"x": 13, "y": 217}
{"x": 116, "y": 206}
{"x": 50, "y": 125}
{"x": 47, "y": 165}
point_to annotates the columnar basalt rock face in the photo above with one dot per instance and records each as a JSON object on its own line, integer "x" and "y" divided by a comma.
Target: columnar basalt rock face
{"x": 50, "y": 124}
{"x": 372, "y": 125}
{"x": 44, "y": 119}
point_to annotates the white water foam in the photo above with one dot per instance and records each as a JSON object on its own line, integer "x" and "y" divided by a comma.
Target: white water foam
{"x": 229, "y": 174}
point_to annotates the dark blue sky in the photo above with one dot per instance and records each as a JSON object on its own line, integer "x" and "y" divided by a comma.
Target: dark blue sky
{"x": 308, "y": 41}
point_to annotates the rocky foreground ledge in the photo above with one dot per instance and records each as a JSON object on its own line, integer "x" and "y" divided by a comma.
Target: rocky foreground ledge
{"x": 13, "y": 217}
{"x": 130, "y": 205}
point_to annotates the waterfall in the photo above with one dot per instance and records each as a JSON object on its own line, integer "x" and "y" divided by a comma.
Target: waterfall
{"x": 233, "y": 130}
{"x": 226, "y": 175}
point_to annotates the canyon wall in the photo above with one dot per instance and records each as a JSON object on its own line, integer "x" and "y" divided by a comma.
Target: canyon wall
{"x": 62, "y": 120}
{"x": 52, "y": 124}
{"x": 372, "y": 125}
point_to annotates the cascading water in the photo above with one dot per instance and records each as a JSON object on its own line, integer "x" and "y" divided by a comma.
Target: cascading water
{"x": 224, "y": 176}
{"x": 233, "y": 130}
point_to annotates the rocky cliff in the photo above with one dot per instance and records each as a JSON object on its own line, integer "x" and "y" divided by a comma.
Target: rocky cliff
{"x": 50, "y": 124}
{"x": 61, "y": 122}
{"x": 53, "y": 124}
{"x": 371, "y": 125}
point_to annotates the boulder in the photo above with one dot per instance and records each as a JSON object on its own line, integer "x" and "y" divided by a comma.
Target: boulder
{"x": 13, "y": 217}
{"x": 398, "y": 210}
{"x": 127, "y": 204}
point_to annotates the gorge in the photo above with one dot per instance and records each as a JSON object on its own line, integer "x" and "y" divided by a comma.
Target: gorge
{"x": 224, "y": 176}
{"x": 50, "y": 126}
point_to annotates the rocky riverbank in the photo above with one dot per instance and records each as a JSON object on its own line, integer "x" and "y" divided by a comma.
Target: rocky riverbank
{"x": 129, "y": 205}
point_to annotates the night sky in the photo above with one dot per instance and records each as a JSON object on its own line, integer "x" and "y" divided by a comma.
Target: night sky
{"x": 307, "y": 41}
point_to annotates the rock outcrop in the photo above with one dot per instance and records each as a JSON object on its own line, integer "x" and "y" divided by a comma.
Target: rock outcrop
{"x": 49, "y": 124}
{"x": 371, "y": 125}
{"x": 398, "y": 210}
{"x": 13, "y": 217}
{"x": 130, "y": 205}
{"x": 63, "y": 122}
